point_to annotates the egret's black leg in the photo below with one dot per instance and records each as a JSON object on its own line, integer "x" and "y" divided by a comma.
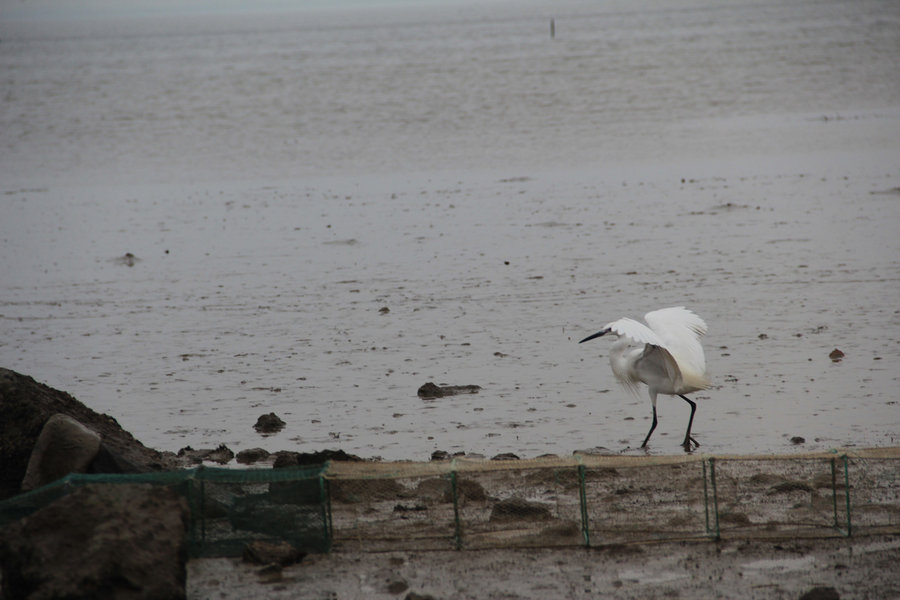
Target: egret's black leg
{"x": 652, "y": 427}
{"x": 687, "y": 436}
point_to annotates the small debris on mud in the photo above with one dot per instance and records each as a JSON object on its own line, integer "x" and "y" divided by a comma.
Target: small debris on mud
{"x": 430, "y": 390}
{"x": 127, "y": 260}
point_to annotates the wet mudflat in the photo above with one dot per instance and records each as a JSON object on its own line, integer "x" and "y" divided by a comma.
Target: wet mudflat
{"x": 345, "y": 206}
{"x": 253, "y": 299}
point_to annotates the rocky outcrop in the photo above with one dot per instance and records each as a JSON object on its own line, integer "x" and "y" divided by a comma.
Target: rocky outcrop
{"x": 27, "y": 406}
{"x": 100, "y": 541}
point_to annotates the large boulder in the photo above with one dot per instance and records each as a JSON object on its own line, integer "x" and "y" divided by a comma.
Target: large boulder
{"x": 64, "y": 446}
{"x": 26, "y": 406}
{"x": 101, "y": 541}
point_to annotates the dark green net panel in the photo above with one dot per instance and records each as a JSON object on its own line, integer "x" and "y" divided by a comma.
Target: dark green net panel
{"x": 228, "y": 507}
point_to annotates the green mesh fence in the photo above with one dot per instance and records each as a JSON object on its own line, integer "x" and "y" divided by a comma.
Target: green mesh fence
{"x": 804, "y": 497}
{"x": 574, "y": 501}
{"x": 228, "y": 507}
{"x": 600, "y": 500}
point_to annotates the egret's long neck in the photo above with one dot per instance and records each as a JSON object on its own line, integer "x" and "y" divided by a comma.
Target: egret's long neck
{"x": 622, "y": 365}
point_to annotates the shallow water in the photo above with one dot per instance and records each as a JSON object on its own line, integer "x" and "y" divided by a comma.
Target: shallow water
{"x": 501, "y": 194}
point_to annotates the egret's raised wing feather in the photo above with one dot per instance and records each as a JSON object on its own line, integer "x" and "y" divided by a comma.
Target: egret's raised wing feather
{"x": 635, "y": 331}
{"x": 676, "y": 318}
{"x": 679, "y": 331}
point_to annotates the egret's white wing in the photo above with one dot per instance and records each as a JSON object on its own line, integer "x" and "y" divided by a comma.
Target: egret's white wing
{"x": 675, "y": 319}
{"x": 635, "y": 331}
{"x": 679, "y": 331}
{"x": 657, "y": 367}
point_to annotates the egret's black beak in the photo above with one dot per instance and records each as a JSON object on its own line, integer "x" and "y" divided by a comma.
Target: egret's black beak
{"x": 596, "y": 335}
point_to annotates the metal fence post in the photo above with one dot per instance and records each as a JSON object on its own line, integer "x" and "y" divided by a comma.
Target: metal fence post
{"x": 705, "y": 497}
{"x": 457, "y": 527}
{"x": 834, "y": 492}
{"x": 585, "y": 526}
{"x": 202, "y": 544}
{"x": 325, "y": 500}
{"x": 847, "y": 492}
{"x": 712, "y": 478}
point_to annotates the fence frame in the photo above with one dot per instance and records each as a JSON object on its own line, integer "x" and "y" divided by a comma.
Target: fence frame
{"x": 193, "y": 486}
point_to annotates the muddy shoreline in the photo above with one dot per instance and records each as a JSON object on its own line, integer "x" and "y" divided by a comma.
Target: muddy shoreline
{"x": 852, "y": 568}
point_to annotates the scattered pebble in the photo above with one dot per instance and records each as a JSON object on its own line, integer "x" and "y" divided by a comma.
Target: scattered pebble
{"x": 269, "y": 423}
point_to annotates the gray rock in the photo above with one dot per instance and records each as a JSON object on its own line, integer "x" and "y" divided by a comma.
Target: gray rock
{"x": 100, "y": 541}
{"x": 430, "y": 390}
{"x": 64, "y": 446}
{"x": 253, "y": 455}
{"x": 270, "y": 423}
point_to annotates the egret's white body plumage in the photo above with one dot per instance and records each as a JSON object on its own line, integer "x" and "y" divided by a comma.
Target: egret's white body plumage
{"x": 670, "y": 360}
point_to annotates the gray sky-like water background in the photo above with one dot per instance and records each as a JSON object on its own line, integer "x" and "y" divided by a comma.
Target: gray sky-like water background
{"x": 284, "y": 175}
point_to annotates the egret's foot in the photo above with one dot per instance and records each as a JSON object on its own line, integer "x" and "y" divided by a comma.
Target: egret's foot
{"x": 686, "y": 444}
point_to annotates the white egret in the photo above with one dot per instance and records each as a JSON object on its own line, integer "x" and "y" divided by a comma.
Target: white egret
{"x": 670, "y": 362}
